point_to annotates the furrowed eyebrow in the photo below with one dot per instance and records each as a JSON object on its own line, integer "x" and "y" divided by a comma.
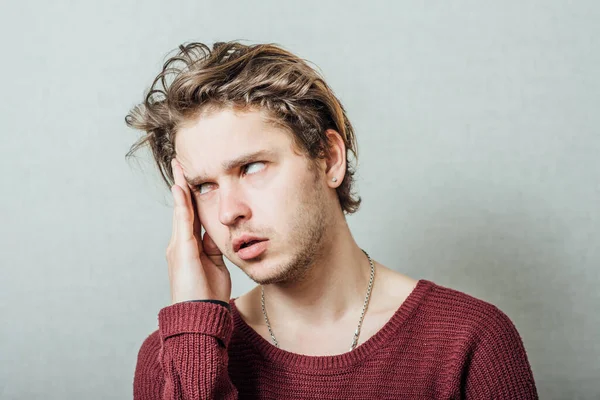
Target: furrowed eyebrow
{"x": 232, "y": 164}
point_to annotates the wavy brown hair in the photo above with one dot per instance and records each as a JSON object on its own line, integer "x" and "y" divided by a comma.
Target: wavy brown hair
{"x": 231, "y": 74}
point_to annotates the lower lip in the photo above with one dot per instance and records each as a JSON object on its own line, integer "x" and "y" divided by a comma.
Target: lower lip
{"x": 255, "y": 250}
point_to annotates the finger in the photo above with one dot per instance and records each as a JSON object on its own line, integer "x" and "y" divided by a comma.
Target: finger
{"x": 181, "y": 215}
{"x": 184, "y": 219}
{"x": 212, "y": 251}
{"x": 180, "y": 181}
{"x": 197, "y": 226}
{"x": 174, "y": 227}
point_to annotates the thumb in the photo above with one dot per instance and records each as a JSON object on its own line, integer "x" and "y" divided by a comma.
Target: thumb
{"x": 212, "y": 251}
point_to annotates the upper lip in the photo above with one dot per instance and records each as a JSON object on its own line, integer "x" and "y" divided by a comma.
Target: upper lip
{"x": 237, "y": 243}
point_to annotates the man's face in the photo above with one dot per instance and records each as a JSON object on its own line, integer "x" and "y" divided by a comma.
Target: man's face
{"x": 274, "y": 195}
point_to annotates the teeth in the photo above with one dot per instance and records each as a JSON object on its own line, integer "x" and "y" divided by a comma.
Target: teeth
{"x": 248, "y": 244}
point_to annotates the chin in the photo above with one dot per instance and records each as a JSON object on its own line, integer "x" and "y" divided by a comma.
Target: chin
{"x": 280, "y": 273}
{"x": 263, "y": 270}
{"x": 270, "y": 268}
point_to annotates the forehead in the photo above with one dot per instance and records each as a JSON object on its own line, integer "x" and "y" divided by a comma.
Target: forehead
{"x": 207, "y": 141}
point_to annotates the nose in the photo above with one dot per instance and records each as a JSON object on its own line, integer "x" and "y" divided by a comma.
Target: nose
{"x": 232, "y": 205}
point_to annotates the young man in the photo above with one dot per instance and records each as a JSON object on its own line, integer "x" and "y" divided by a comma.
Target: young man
{"x": 255, "y": 147}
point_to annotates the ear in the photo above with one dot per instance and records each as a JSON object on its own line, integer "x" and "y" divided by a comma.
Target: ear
{"x": 336, "y": 159}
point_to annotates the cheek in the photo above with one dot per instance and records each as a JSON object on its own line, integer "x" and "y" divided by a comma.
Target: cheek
{"x": 273, "y": 206}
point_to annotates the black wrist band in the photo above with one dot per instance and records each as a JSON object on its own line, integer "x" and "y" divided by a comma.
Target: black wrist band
{"x": 219, "y": 302}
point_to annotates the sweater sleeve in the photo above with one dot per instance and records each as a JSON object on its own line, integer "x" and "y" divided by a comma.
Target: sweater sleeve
{"x": 499, "y": 368}
{"x": 186, "y": 359}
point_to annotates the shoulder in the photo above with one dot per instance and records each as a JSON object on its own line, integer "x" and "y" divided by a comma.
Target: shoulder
{"x": 483, "y": 341}
{"x": 436, "y": 308}
{"x": 476, "y": 329}
{"x": 148, "y": 372}
{"x": 464, "y": 311}
{"x": 150, "y": 347}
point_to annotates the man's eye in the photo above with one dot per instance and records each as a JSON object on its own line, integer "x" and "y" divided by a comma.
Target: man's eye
{"x": 199, "y": 187}
{"x": 251, "y": 168}
{"x": 248, "y": 168}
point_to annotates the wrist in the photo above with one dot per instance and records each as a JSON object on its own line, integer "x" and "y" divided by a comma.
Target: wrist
{"x": 219, "y": 302}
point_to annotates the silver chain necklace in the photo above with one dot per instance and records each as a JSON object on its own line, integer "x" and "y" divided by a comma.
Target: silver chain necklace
{"x": 362, "y": 314}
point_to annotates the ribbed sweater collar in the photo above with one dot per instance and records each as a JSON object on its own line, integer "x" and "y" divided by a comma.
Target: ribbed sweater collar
{"x": 332, "y": 364}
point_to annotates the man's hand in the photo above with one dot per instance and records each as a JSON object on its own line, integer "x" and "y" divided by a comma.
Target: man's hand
{"x": 196, "y": 267}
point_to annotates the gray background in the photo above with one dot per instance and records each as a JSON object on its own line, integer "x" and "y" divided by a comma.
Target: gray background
{"x": 477, "y": 124}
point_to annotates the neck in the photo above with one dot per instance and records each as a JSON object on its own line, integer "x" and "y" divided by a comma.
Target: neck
{"x": 333, "y": 288}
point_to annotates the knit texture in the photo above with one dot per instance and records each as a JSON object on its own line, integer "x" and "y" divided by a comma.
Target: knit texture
{"x": 440, "y": 344}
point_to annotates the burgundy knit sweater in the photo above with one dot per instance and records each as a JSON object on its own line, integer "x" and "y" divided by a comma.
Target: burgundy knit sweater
{"x": 440, "y": 344}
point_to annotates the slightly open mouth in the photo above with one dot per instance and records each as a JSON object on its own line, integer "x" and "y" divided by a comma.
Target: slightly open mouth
{"x": 248, "y": 244}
